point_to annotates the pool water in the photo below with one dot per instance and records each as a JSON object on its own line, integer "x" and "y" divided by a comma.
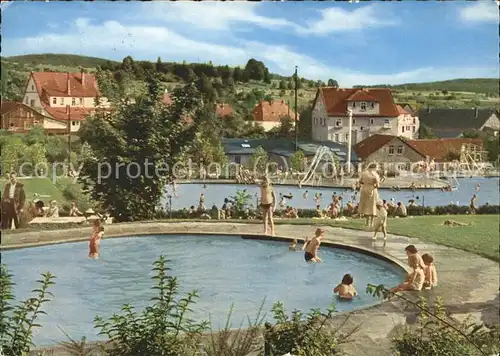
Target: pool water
{"x": 224, "y": 270}
{"x": 189, "y": 194}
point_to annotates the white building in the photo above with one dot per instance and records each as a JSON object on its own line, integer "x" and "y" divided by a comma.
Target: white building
{"x": 64, "y": 97}
{"x": 373, "y": 112}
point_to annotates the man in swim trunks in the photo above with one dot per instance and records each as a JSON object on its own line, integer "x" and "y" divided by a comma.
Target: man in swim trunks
{"x": 311, "y": 246}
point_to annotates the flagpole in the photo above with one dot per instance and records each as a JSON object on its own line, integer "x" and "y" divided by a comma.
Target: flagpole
{"x": 296, "y": 121}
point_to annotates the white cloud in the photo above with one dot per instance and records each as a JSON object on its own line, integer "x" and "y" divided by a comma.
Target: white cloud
{"x": 212, "y": 15}
{"x": 481, "y": 11}
{"x": 148, "y": 42}
{"x": 335, "y": 19}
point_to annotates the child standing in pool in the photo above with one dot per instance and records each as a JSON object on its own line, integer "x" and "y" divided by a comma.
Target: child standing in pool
{"x": 311, "y": 246}
{"x": 346, "y": 289}
{"x": 95, "y": 240}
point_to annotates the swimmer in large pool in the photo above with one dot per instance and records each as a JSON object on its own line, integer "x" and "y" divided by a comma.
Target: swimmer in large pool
{"x": 311, "y": 246}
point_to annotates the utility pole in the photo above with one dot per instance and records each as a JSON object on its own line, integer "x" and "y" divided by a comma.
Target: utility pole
{"x": 349, "y": 141}
{"x": 296, "y": 121}
{"x": 68, "y": 110}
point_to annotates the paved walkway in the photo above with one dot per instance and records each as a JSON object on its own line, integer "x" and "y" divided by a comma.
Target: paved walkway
{"x": 468, "y": 283}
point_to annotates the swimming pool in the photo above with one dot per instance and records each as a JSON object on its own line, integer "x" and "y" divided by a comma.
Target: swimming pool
{"x": 223, "y": 269}
{"x": 189, "y": 194}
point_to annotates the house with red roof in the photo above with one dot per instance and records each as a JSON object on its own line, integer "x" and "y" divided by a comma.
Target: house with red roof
{"x": 373, "y": 112}
{"x": 63, "y": 97}
{"x": 268, "y": 114}
{"x": 396, "y": 149}
{"x": 20, "y": 118}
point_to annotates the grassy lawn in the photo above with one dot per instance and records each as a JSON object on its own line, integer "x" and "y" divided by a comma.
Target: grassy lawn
{"x": 43, "y": 186}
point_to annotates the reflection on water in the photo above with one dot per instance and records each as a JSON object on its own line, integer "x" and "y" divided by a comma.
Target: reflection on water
{"x": 224, "y": 270}
{"x": 188, "y": 194}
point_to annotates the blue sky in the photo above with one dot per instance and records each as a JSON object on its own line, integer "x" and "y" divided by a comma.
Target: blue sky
{"x": 355, "y": 43}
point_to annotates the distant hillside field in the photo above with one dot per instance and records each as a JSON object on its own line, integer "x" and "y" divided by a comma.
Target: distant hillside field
{"x": 456, "y": 93}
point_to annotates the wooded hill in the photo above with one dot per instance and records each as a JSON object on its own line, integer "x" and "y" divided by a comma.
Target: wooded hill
{"x": 243, "y": 85}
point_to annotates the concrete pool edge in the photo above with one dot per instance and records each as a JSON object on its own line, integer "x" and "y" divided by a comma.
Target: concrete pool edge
{"x": 470, "y": 287}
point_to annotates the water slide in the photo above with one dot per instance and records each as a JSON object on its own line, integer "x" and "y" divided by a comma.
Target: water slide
{"x": 311, "y": 172}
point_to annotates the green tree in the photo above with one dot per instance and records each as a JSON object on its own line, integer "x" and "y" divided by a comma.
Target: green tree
{"x": 425, "y": 132}
{"x": 290, "y": 85}
{"x": 238, "y": 74}
{"x": 256, "y": 70}
{"x": 284, "y": 130}
{"x": 138, "y": 141}
{"x": 12, "y": 151}
{"x": 333, "y": 83}
{"x": 492, "y": 146}
{"x": 259, "y": 161}
{"x": 35, "y": 155}
{"x": 36, "y": 135}
{"x": 305, "y": 123}
{"x": 283, "y": 85}
{"x": 298, "y": 161}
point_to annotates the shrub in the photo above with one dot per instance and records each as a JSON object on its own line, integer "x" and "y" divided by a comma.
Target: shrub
{"x": 162, "y": 328}
{"x": 73, "y": 192}
{"x": 303, "y": 335}
{"x": 18, "y": 322}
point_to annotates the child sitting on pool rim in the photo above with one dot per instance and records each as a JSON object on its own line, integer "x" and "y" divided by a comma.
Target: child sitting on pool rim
{"x": 429, "y": 271}
{"x": 345, "y": 289}
{"x": 311, "y": 246}
{"x": 411, "y": 250}
{"x": 415, "y": 280}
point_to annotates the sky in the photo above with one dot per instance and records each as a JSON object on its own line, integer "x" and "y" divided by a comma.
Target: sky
{"x": 363, "y": 43}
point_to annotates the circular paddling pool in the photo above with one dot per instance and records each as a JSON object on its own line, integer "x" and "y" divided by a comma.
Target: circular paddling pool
{"x": 223, "y": 269}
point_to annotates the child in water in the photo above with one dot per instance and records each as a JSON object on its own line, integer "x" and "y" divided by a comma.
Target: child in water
{"x": 346, "y": 288}
{"x": 293, "y": 245}
{"x": 311, "y": 246}
{"x": 305, "y": 195}
{"x": 95, "y": 240}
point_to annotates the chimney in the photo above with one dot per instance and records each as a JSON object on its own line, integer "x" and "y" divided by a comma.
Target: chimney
{"x": 69, "y": 86}
{"x": 83, "y": 77}
{"x": 476, "y": 112}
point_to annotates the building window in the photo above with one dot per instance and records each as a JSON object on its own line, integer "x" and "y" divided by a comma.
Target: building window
{"x": 391, "y": 150}
{"x": 73, "y": 123}
{"x": 81, "y": 101}
{"x": 32, "y": 87}
{"x": 408, "y": 128}
{"x": 27, "y": 125}
{"x": 61, "y": 101}
{"x": 402, "y": 129}
{"x": 347, "y": 137}
{"x": 353, "y": 121}
{"x": 363, "y": 106}
{"x": 27, "y": 101}
{"x": 414, "y": 121}
{"x": 373, "y": 105}
{"x": 32, "y": 103}
{"x": 400, "y": 150}
{"x": 338, "y": 123}
{"x": 387, "y": 121}
{"x": 336, "y": 137}
{"x": 414, "y": 129}
{"x": 73, "y": 101}
{"x": 372, "y": 121}
{"x": 362, "y": 128}
{"x": 54, "y": 101}
{"x": 353, "y": 105}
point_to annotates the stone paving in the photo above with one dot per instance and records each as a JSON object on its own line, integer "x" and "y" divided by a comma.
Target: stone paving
{"x": 469, "y": 284}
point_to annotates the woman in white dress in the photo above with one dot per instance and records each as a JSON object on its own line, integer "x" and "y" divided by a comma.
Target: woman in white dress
{"x": 370, "y": 181}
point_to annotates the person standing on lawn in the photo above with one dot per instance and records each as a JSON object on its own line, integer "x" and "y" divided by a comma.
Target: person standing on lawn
{"x": 13, "y": 201}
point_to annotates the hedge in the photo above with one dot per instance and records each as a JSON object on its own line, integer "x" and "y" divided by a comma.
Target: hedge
{"x": 310, "y": 213}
